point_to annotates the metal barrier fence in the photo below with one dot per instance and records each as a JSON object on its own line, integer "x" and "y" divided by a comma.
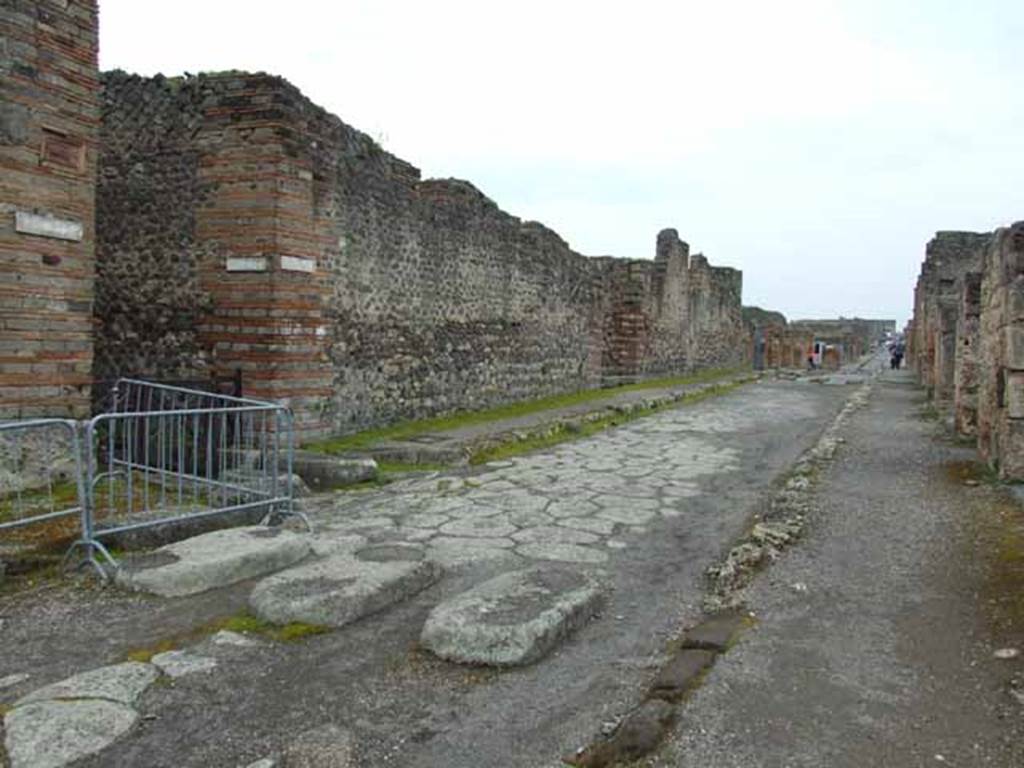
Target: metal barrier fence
{"x": 40, "y": 475}
{"x": 166, "y": 455}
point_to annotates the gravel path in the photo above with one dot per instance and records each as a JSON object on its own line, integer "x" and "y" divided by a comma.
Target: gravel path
{"x": 876, "y": 635}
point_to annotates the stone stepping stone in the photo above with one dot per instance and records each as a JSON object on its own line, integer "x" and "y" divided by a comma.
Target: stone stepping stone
{"x": 61, "y": 723}
{"x": 214, "y": 560}
{"x": 513, "y": 619}
{"x": 338, "y": 590}
{"x": 122, "y": 683}
{"x": 52, "y": 734}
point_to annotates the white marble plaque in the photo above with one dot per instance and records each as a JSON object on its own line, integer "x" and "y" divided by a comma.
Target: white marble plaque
{"x": 47, "y": 226}
{"x": 247, "y": 264}
{"x": 297, "y": 264}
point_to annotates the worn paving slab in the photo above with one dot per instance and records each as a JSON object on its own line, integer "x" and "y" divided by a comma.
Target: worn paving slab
{"x": 513, "y": 619}
{"x": 177, "y": 664}
{"x": 406, "y": 708}
{"x": 337, "y": 590}
{"x": 214, "y": 560}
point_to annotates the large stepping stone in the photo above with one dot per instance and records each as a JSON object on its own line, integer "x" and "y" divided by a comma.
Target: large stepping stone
{"x": 51, "y": 734}
{"x": 340, "y": 589}
{"x": 214, "y": 560}
{"x": 513, "y": 619}
{"x": 122, "y": 683}
{"x": 60, "y": 723}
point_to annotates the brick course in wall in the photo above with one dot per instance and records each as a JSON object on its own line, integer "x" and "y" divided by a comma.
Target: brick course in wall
{"x": 346, "y": 286}
{"x": 48, "y": 137}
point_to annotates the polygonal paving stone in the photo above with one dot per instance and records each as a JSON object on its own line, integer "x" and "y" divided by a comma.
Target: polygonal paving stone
{"x": 554, "y": 535}
{"x": 566, "y": 553}
{"x": 214, "y": 559}
{"x": 123, "y": 683}
{"x": 331, "y": 542}
{"x": 176, "y": 664}
{"x": 486, "y": 527}
{"x": 627, "y": 515}
{"x": 572, "y": 508}
{"x": 338, "y": 590}
{"x": 424, "y": 520}
{"x": 597, "y": 525}
{"x": 454, "y": 552}
{"x": 513, "y": 619}
{"x": 52, "y": 734}
{"x": 612, "y": 501}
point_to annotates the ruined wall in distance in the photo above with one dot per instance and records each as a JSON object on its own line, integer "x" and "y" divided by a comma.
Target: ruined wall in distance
{"x": 949, "y": 256}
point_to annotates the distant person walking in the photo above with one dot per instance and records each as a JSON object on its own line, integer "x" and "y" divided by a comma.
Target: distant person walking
{"x": 896, "y": 361}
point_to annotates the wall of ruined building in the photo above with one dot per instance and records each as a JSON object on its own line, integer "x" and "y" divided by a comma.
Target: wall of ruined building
{"x": 949, "y": 256}
{"x": 1000, "y": 414}
{"x": 967, "y": 361}
{"x": 343, "y": 284}
{"x": 718, "y": 335}
{"x": 48, "y": 131}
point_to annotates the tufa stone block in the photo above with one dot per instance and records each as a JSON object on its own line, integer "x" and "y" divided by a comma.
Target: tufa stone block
{"x": 1014, "y": 338}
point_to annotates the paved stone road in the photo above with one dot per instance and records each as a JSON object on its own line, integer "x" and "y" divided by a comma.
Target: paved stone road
{"x": 574, "y": 504}
{"x": 649, "y": 506}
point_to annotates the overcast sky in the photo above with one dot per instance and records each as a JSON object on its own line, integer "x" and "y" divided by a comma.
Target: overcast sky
{"x": 815, "y": 145}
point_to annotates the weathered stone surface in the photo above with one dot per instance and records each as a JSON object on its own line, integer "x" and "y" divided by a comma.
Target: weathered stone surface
{"x": 513, "y": 619}
{"x": 123, "y": 683}
{"x": 236, "y": 639}
{"x": 12, "y": 680}
{"x": 180, "y": 663}
{"x": 340, "y": 589}
{"x": 322, "y": 473}
{"x": 681, "y": 673}
{"x": 52, "y": 734}
{"x": 329, "y": 746}
{"x": 716, "y": 632}
{"x": 215, "y": 560}
{"x": 329, "y": 542}
{"x": 565, "y": 553}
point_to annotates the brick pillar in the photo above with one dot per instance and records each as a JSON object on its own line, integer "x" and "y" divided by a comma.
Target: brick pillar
{"x": 267, "y": 282}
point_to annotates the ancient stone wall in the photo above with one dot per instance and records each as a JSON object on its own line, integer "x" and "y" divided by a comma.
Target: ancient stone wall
{"x": 967, "y": 365}
{"x": 148, "y": 298}
{"x": 1000, "y": 410}
{"x": 346, "y": 286}
{"x": 949, "y": 256}
{"x": 48, "y": 131}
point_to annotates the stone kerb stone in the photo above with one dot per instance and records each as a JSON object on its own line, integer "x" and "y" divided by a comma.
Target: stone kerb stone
{"x": 214, "y": 560}
{"x": 513, "y": 619}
